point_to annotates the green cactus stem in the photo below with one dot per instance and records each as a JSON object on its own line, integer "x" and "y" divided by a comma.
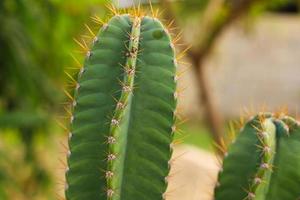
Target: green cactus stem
{"x": 123, "y": 114}
{"x": 264, "y": 162}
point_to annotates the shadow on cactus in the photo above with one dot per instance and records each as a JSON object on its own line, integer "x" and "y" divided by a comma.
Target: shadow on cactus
{"x": 123, "y": 113}
{"x": 264, "y": 161}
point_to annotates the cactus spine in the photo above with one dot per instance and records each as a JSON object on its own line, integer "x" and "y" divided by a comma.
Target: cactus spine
{"x": 123, "y": 113}
{"x": 264, "y": 161}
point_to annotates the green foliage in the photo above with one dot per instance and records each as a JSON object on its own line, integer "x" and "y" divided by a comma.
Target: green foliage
{"x": 263, "y": 163}
{"x": 35, "y": 40}
{"x": 191, "y": 7}
{"x": 123, "y": 119}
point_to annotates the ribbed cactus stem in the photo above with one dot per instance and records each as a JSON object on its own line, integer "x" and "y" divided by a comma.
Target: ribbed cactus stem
{"x": 263, "y": 163}
{"x": 123, "y": 116}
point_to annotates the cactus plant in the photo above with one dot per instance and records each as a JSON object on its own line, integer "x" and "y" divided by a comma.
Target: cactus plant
{"x": 264, "y": 161}
{"x": 123, "y": 122}
{"x": 123, "y": 113}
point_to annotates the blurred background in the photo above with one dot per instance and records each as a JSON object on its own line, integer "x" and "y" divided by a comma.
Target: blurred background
{"x": 241, "y": 56}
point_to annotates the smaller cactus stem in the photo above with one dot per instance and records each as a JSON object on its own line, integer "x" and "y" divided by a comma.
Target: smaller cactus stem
{"x": 267, "y": 149}
{"x": 121, "y": 106}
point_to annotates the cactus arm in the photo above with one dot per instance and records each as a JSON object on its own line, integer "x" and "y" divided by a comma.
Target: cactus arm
{"x": 285, "y": 181}
{"x": 93, "y": 105}
{"x": 246, "y": 162}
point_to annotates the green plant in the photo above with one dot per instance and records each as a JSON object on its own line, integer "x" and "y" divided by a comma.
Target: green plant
{"x": 123, "y": 114}
{"x": 264, "y": 161}
{"x": 123, "y": 117}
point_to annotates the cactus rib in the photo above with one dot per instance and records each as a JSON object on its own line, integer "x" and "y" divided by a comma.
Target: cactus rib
{"x": 113, "y": 175}
{"x": 285, "y": 181}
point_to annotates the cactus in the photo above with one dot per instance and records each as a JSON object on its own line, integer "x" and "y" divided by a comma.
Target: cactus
{"x": 264, "y": 161}
{"x": 123, "y": 113}
{"x": 123, "y": 123}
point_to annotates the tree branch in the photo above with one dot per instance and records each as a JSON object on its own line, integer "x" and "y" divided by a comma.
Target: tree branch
{"x": 219, "y": 14}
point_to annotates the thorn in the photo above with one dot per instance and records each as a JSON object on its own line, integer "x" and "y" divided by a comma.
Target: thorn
{"x": 175, "y": 94}
{"x": 265, "y": 166}
{"x": 110, "y": 192}
{"x": 264, "y": 134}
{"x": 76, "y": 60}
{"x": 114, "y": 122}
{"x": 68, "y": 111}
{"x": 72, "y": 119}
{"x": 126, "y": 88}
{"x": 97, "y": 20}
{"x": 89, "y": 54}
{"x": 70, "y": 135}
{"x": 62, "y": 163}
{"x": 111, "y": 157}
{"x": 95, "y": 40}
{"x": 170, "y": 24}
{"x": 104, "y": 27}
{"x": 109, "y": 174}
{"x": 112, "y": 9}
{"x": 77, "y": 86}
{"x": 130, "y": 71}
{"x": 173, "y": 129}
{"x": 68, "y": 95}
{"x": 151, "y": 8}
{"x": 81, "y": 71}
{"x": 251, "y": 195}
{"x": 120, "y": 105}
{"x": 222, "y": 146}
{"x": 61, "y": 125}
{"x": 175, "y": 62}
{"x": 166, "y": 179}
{"x": 257, "y": 180}
{"x": 267, "y": 149}
{"x": 176, "y": 78}
{"x": 70, "y": 77}
{"x": 181, "y": 73}
{"x": 90, "y": 30}
{"x": 111, "y": 140}
{"x": 64, "y": 146}
{"x": 182, "y": 54}
{"x": 177, "y": 37}
{"x": 69, "y": 153}
{"x": 83, "y": 46}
